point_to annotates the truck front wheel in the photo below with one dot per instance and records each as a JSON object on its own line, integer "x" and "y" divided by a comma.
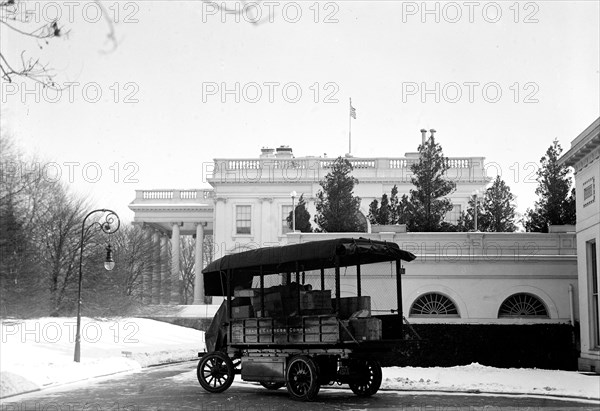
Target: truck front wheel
{"x": 215, "y": 372}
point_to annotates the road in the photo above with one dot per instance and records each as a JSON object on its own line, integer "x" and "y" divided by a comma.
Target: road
{"x": 175, "y": 387}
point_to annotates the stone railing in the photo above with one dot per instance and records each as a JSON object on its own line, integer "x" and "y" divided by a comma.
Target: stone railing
{"x": 315, "y": 168}
{"x": 198, "y": 195}
{"x": 455, "y": 247}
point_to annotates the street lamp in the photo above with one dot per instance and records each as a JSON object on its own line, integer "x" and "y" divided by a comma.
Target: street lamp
{"x": 293, "y": 194}
{"x": 110, "y": 225}
{"x": 475, "y": 194}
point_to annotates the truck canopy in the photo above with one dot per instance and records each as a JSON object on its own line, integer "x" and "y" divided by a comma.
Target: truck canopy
{"x": 313, "y": 255}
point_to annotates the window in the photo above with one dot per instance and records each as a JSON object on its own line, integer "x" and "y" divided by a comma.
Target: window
{"x": 592, "y": 269}
{"x": 523, "y": 305}
{"x": 453, "y": 215}
{"x": 243, "y": 219}
{"x": 285, "y": 212}
{"x": 589, "y": 192}
{"x": 433, "y": 304}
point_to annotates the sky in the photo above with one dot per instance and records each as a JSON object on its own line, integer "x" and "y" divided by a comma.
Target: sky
{"x": 189, "y": 82}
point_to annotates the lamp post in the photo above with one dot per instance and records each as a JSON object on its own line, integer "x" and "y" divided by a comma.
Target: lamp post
{"x": 475, "y": 194}
{"x": 293, "y": 194}
{"x": 110, "y": 225}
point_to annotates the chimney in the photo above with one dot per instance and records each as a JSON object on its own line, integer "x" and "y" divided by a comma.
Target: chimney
{"x": 432, "y": 131}
{"x": 284, "y": 152}
{"x": 266, "y": 152}
{"x": 423, "y": 135}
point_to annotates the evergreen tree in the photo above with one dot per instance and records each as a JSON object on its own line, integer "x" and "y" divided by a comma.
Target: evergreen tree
{"x": 384, "y": 211}
{"x": 495, "y": 211}
{"x": 499, "y": 208}
{"x": 380, "y": 214}
{"x": 337, "y": 207}
{"x": 394, "y": 205}
{"x": 466, "y": 221}
{"x": 373, "y": 212}
{"x": 302, "y": 217}
{"x": 556, "y": 199}
{"x": 427, "y": 206}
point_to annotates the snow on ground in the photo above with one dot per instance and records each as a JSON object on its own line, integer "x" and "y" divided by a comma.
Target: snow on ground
{"x": 479, "y": 378}
{"x": 39, "y": 353}
{"x": 35, "y": 354}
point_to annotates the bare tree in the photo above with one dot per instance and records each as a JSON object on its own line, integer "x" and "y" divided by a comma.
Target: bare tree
{"x": 15, "y": 18}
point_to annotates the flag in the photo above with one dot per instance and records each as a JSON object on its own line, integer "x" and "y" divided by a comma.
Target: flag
{"x": 352, "y": 112}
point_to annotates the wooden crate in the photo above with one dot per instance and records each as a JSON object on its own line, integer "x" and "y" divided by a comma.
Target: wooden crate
{"x": 366, "y": 329}
{"x": 292, "y": 330}
{"x": 346, "y": 306}
{"x": 245, "y": 311}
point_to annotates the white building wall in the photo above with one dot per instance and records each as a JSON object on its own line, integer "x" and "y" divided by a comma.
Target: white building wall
{"x": 588, "y": 229}
{"x": 477, "y": 271}
{"x": 584, "y": 157}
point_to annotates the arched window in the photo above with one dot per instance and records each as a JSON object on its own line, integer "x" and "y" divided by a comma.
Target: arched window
{"x": 433, "y": 304}
{"x": 523, "y": 305}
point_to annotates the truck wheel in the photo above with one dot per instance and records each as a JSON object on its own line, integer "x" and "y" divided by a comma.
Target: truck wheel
{"x": 215, "y": 372}
{"x": 272, "y": 385}
{"x": 302, "y": 378}
{"x": 370, "y": 372}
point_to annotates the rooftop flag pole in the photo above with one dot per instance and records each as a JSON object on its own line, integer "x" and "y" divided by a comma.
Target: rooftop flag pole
{"x": 352, "y": 116}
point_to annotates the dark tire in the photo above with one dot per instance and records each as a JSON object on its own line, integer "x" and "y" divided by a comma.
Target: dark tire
{"x": 302, "y": 378}
{"x": 272, "y": 385}
{"x": 371, "y": 370}
{"x": 215, "y": 372}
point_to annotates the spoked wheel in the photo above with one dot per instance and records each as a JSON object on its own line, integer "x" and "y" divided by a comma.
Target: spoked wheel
{"x": 302, "y": 378}
{"x": 272, "y": 385}
{"x": 215, "y": 372}
{"x": 370, "y": 372}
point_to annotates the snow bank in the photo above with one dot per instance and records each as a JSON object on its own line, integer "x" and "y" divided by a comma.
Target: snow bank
{"x": 479, "y": 378}
{"x": 39, "y": 353}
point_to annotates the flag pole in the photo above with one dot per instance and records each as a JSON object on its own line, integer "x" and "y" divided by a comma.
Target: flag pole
{"x": 350, "y": 128}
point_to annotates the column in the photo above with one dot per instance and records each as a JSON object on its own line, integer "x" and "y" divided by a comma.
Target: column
{"x": 175, "y": 285}
{"x": 165, "y": 282}
{"x": 156, "y": 268}
{"x": 148, "y": 268}
{"x": 199, "y": 277}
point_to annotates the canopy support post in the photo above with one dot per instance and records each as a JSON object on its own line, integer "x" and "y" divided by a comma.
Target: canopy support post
{"x": 262, "y": 292}
{"x": 337, "y": 283}
{"x": 298, "y": 284}
{"x": 399, "y": 294}
{"x": 358, "y": 285}
{"x": 229, "y": 328}
{"x": 322, "y": 278}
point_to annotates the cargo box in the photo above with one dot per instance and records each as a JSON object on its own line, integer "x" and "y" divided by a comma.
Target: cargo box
{"x": 366, "y": 328}
{"x": 245, "y": 311}
{"x": 315, "y": 300}
{"x": 349, "y": 305}
{"x": 292, "y": 330}
{"x": 251, "y": 292}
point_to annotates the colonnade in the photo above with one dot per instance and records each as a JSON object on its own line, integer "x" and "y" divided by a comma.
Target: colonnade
{"x": 161, "y": 285}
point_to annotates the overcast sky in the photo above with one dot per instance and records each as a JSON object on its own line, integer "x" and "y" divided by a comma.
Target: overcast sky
{"x": 188, "y": 83}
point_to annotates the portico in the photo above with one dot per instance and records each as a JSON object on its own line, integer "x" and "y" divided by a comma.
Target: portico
{"x": 167, "y": 215}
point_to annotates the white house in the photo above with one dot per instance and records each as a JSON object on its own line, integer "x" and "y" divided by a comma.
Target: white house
{"x": 457, "y": 277}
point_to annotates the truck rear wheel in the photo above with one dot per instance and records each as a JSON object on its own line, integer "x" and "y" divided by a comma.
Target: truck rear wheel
{"x": 302, "y": 378}
{"x": 215, "y": 372}
{"x": 370, "y": 372}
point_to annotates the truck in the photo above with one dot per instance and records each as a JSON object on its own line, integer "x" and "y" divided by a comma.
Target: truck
{"x": 278, "y": 329}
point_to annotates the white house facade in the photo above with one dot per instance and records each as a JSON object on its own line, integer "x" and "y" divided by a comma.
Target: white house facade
{"x": 252, "y": 195}
{"x": 457, "y": 277}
